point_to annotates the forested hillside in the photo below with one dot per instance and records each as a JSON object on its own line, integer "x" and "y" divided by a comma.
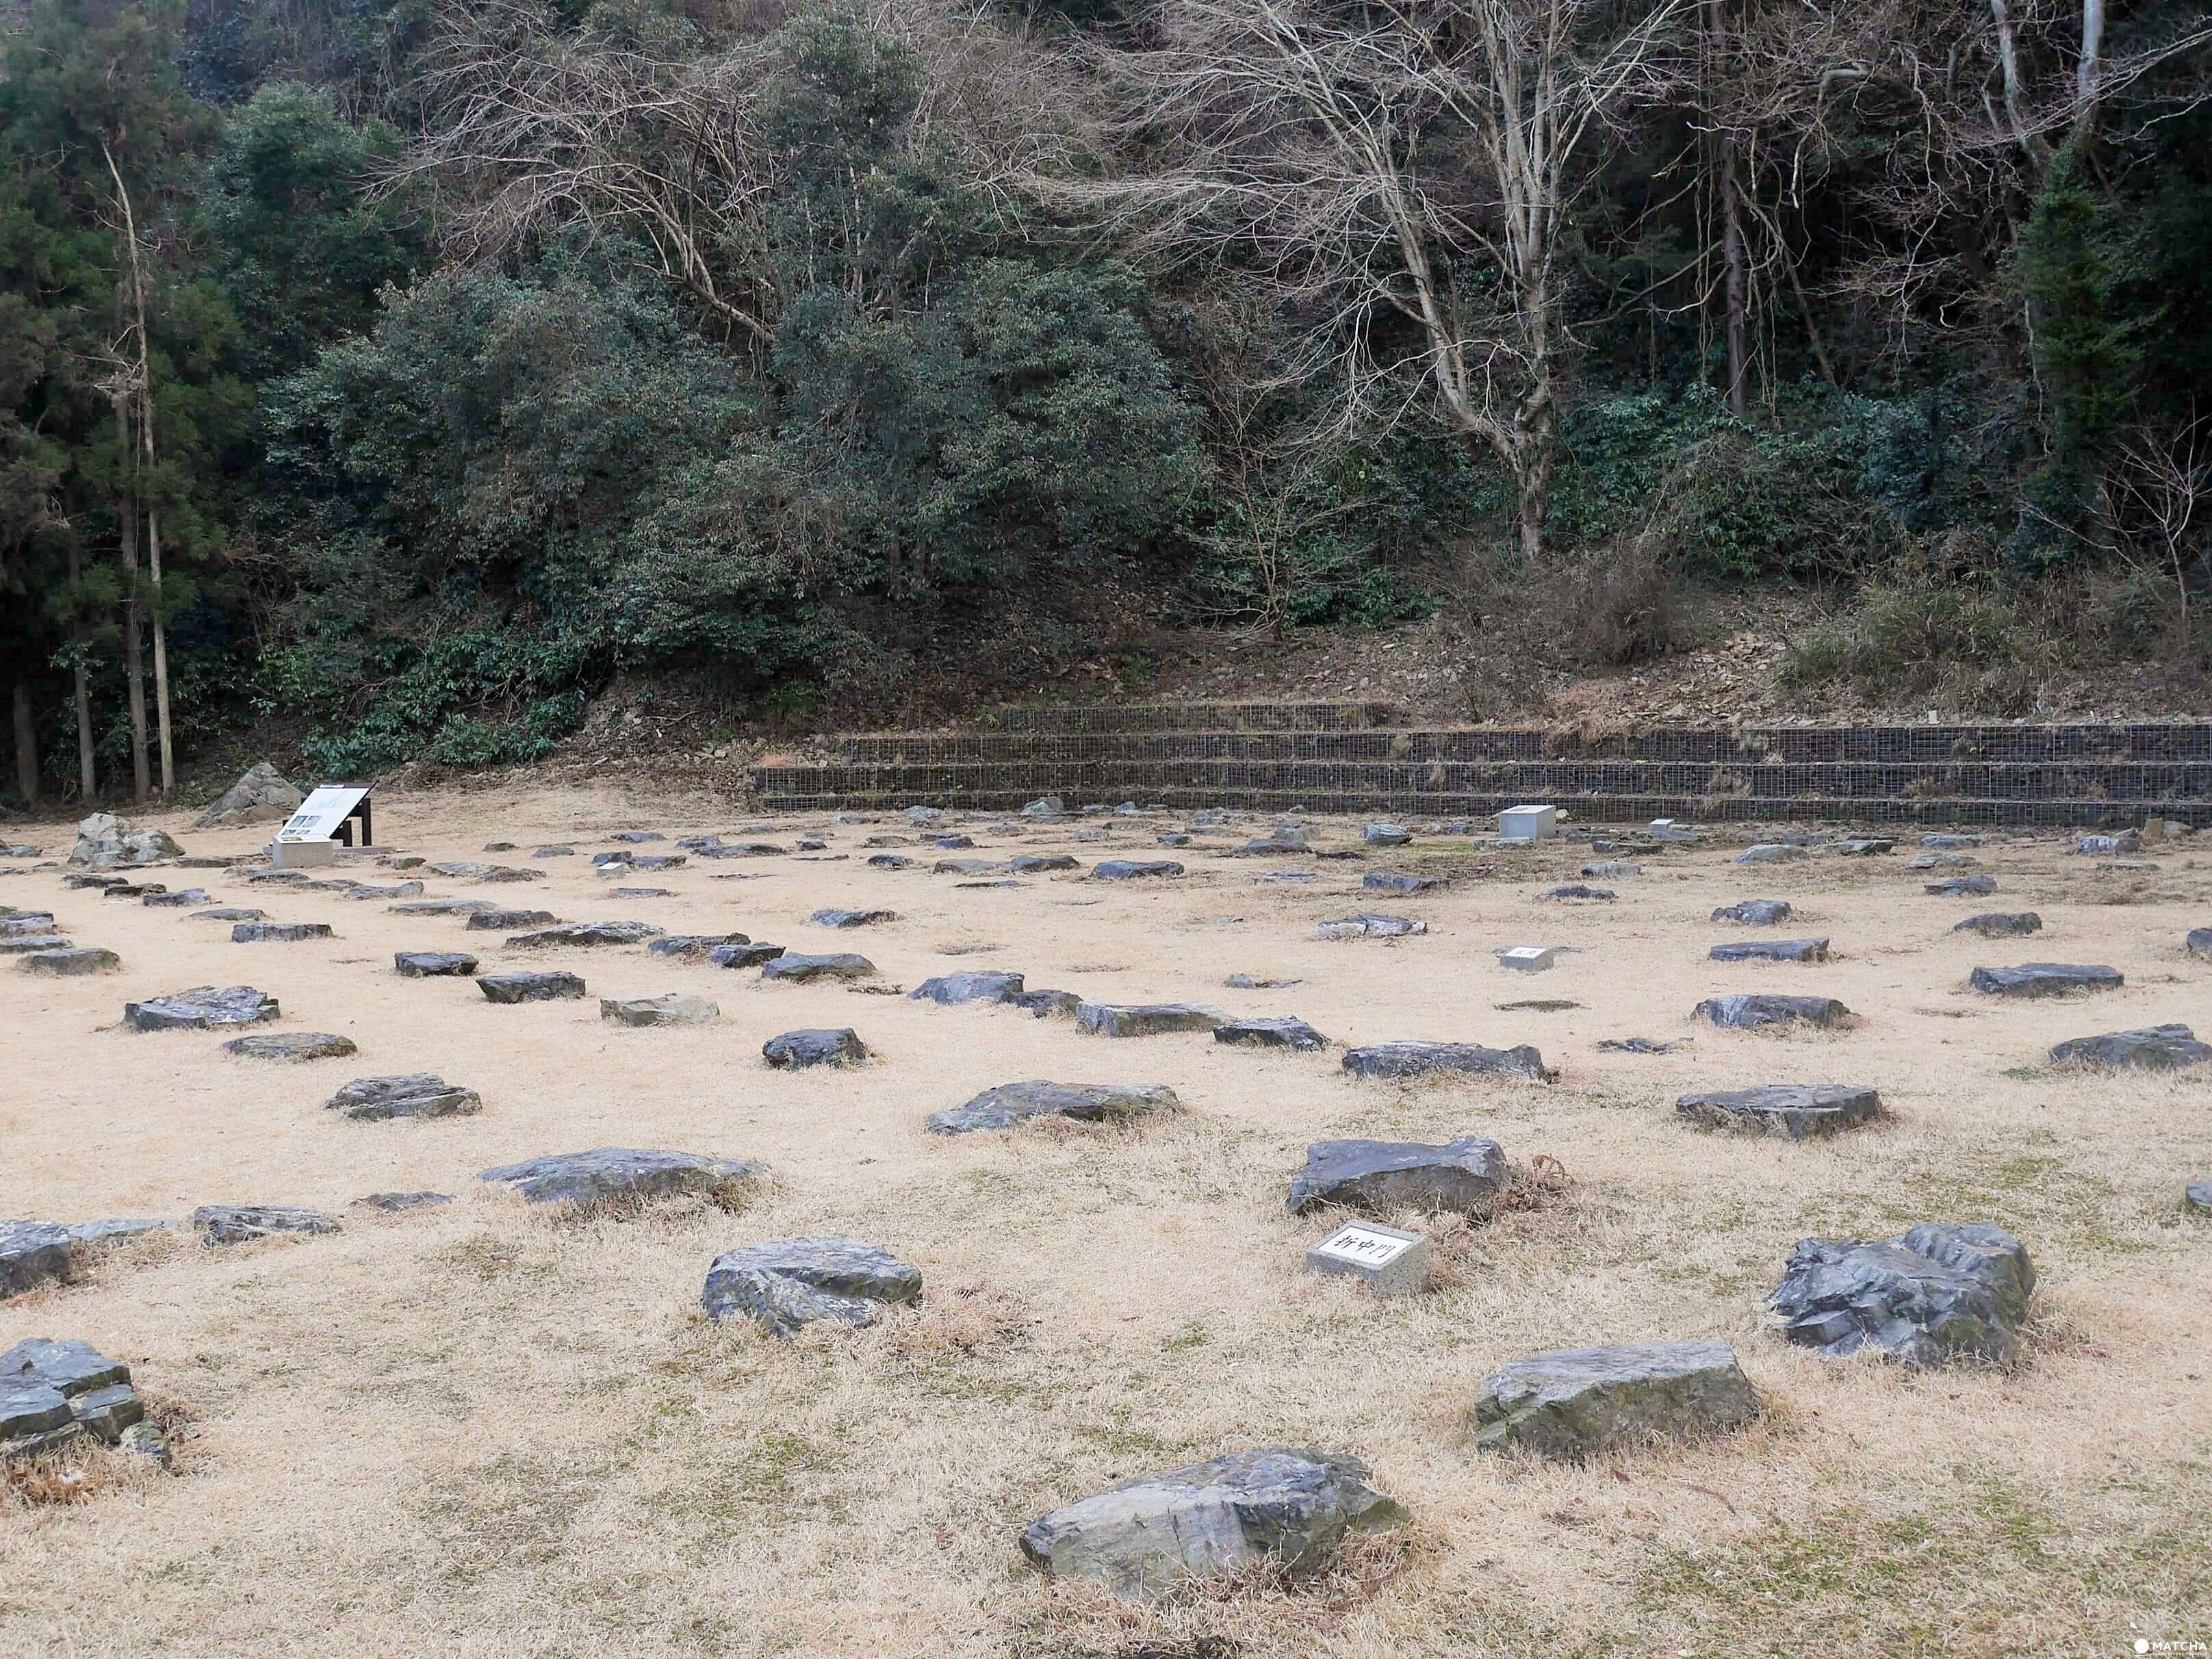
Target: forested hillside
{"x": 404, "y": 370}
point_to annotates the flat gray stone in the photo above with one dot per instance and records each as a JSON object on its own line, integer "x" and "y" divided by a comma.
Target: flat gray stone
{"x": 1755, "y": 912}
{"x": 290, "y": 1045}
{"x": 1772, "y": 852}
{"x": 1753, "y": 1012}
{"x": 2199, "y": 942}
{"x": 1386, "y": 834}
{"x": 1012, "y": 1104}
{"x": 1796, "y": 1110}
{"x": 1860, "y": 847}
{"x": 28, "y": 944}
{"x": 2197, "y": 1197}
{"x": 1366, "y": 925}
{"x": 1576, "y": 1402}
{"x": 581, "y": 933}
{"x": 200, "y": 1008}
{"x": 792, "y": 1283}
{"x": 529, "y": 988}
{"x": 1411, "y": 1059}
{"x": 797, "y": 1050}
{"x": 1771, "y": 950}
{"x": 950, "y": 990}
{"x": 70, "y": 961}
{"x": 890, "y": 862}
{"x": 797, "y": 969}
{"x": 1281, "y": 1031}
{"x": 1250, "y": 982}
{"x": 674, "y": 1009}
{"x": 490, "y": 920}
{"x": 1145, "y": 1019}
{"x": 637, "y": 837}
{"x": 1999, "y": 925}
{"x": 694, "y": 947}
{"x": 230, "y": 913}
{"x": 1392, "y": 881}
{"x": 1043, "y": 1003}
{"x": 455, "y": 907}
{"x": 1038, "y": 864}
{"x": 411, "y": 1094}
{"x": 750, "y": 954}
{"x": 1934, "y": 1294}
{"x": 1134, "y": 869}
{"x": 32, "y": 1253}
{"x": 1578, "y": 893}
{"x": 1963, "y": 887}
{"x": 434, "y": 964}
{"x": 118, "y": 1230}
{"x": 622, "y": 1172}
{"x": 242, "y": 1224}
{"x": 852, "y": 918}
{"x": 745, "y": 849}
{"x": 278, "y": 932}
{"x": 398, "y": 889}
{"x": 2151, "y": 1049}
{"x": 397, "y": 1203}
{"x": 1466, "y": 1176}
{"x": 1148, "y": 1537}
{"x": 2046, "y": 979}
{"x": 178, "y": 901}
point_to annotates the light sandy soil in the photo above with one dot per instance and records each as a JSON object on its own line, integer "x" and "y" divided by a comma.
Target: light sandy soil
{"x": 481, "y": 1431}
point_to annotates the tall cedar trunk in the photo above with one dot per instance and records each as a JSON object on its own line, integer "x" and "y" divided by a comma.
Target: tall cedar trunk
{"x": 27, "y": 747}
{"x": 87, "y": 778}
{"x": 134, "y": 642}
{"x": 161, "y": 649}
{"x": 1732, "y": 257}
{"x": 145, "y": 389}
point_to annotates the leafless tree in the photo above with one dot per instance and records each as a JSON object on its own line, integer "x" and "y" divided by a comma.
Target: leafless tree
{"x": 1398, "y": 176}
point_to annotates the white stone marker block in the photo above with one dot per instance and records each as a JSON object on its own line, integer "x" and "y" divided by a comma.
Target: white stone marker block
{"x": 302, "y": 855}
{"x": 1528, "y": 823}
{"x": 1528, "y": 958}
{"x": 1388, "y": 1261}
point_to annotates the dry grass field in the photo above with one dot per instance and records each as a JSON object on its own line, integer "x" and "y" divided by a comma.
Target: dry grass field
{"x": 485, "y": 1430}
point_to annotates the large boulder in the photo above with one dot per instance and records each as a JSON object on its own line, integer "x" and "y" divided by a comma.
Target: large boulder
{"x": 1933, "y": 1294}
{"x": 201, "y": 1008}
{"x": 2046, "y": 979}
{"x": 1402, "y": 1060}
{"x": 1146, "y": 1019}
{"x": 105, "y": 841}
{"x": 1754, "y": 1012}
{"x": 793, "y": 1282}
{"x": 1466, "y": 1176}
{"x": 260, "y": 796}
{"x": 411, "y": 1094}
{"x": 1797, "y": 1110}
{"x": 1144, "y": 1538}
{"x": 948, "y": 989}
{"x": 611, "y": 1172}
{"x": 1578, "y": 1401}
{"x": 1012, "y": 1104}
{"x": 2151, "y": 1049}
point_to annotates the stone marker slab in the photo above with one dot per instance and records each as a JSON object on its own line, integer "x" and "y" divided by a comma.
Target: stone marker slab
{"x": 1466, "y": 1176}
{"x": 1771, "y": 852}
{"x": 676, "y": 1008}
{"x": 278, "y": 932}
{"x": 1529, "y": 958}
{"x": 1146, "y": 1019}
{"x": 1576, "y": 1402}
{"x": 793, "y": 967}
{"x": 950, "y": 990}
{"x": 242, "y": 1224}
{"x": 1755, "y": 1011}
{"x": 1366, "y": 925}
{"x": 2151, "y": 1049}
{"x": 792, "y": 1283}
{"x": 2046, "y": 979}
{"x": 1934, "y": 1293}
{"x": 797, "y": 1050}
{"x": 1153, "y": 1535}
{"x": 291, "y": 1045}
{"x": 610, "y": 1172}
{"x": 1388, "y": 1262}
{"x": 1962, "y": 887}
{"x": 202, "y": 1007}
{"x": 453, "y": 906}
{"x": 1999, "y": 925}
{"x": 1134, "y": 869}
{"x": 1280, "y": 1031}
{"x": 530, "y": 987}
{"x": 1771, "y": 950}
{"x": 433, "y": 965}
{"x": 1405, "y": 1059}
{"x": 411, "y": 1094}
{"x": 583, "y": 933}
{"x": 397, "y": 889}
{"x": 1796, "y": 1110}
{"x": 70, "y": 961}
{"x": 1012, "y": 1104}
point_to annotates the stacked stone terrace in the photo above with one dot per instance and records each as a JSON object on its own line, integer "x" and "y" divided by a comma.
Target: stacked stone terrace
{"x": 1363, "y": 758}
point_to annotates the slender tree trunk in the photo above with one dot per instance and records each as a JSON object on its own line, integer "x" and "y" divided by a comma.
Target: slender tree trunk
{"x": 161, "y": 647}
{"x": 134, "y": 642}
{"x": 153, "y": 513}
{"x": 1732, "y": 253}
{"x": 27, "y": 747}
{"x": 87, "y": 778}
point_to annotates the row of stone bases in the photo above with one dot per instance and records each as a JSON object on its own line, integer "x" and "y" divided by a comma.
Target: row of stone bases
{"x": 1934, "y": 1294}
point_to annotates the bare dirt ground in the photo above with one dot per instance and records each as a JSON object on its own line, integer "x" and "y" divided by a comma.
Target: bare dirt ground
{"x": 485, "y": 1431}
